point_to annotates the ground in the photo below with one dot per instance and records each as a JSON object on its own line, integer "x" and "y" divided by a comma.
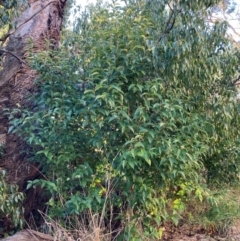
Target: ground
{"x": 187, "y": 233}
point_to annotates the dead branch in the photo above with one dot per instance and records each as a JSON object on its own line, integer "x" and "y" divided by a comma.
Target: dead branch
{"x": 14, "y": 55}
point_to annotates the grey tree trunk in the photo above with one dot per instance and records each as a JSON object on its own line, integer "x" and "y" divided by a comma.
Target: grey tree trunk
{"x": 40, "y": 22}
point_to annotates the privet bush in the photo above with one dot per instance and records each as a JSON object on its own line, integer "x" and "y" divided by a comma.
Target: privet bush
{"x": 134, "y": 111}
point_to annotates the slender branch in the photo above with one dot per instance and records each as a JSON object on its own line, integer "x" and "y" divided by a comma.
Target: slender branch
{"x": 14, "y": 55}
{"x": 233, "y": 29}
{"x": 236, "y": 81}
{"x": 169, "y": 6}
{"x": 3, "y": 39}
{"x": 169, "y": 24}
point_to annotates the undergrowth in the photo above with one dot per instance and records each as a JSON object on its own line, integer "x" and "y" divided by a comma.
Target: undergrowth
{"x": 218, "y": 214}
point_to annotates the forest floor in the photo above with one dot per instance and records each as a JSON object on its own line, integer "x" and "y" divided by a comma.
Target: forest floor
{"x": 171, "y": 233}
{"x": 187, "y": 233}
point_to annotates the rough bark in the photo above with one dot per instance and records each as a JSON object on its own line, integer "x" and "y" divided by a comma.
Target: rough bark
{"x": 40, "y": 22}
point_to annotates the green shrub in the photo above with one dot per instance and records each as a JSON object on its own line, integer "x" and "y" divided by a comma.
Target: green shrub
{"x": 134, "y": 116}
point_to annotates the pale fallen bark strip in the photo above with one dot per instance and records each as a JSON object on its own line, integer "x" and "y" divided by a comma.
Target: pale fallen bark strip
{"x": 29, "y": 235}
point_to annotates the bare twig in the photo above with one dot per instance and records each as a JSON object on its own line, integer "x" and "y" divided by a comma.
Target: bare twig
{"x": 14, "y": 55}
{"x": 169, "y": 24}
{"x": 3, "y": 39}
{"x": 236, "y": 82}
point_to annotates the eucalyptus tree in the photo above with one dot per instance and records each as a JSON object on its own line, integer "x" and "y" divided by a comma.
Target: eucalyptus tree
{"x": 26, "y": 27}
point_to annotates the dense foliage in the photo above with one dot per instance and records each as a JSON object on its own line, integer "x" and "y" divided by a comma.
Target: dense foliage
{"x": 11, "y": 202}
{"x": 134, "y": 113}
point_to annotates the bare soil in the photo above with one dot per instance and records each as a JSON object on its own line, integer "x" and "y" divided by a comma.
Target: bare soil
{"x": 187, "y": 233}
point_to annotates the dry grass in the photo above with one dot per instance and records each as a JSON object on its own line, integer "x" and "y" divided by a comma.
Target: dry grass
{"x": 88, "y": 227}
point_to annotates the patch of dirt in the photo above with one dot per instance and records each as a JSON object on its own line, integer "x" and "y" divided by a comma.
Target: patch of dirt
{"x": 187, "y": 233}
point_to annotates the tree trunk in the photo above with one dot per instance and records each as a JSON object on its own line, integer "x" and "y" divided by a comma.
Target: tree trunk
{"x": 40, "y": 22}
